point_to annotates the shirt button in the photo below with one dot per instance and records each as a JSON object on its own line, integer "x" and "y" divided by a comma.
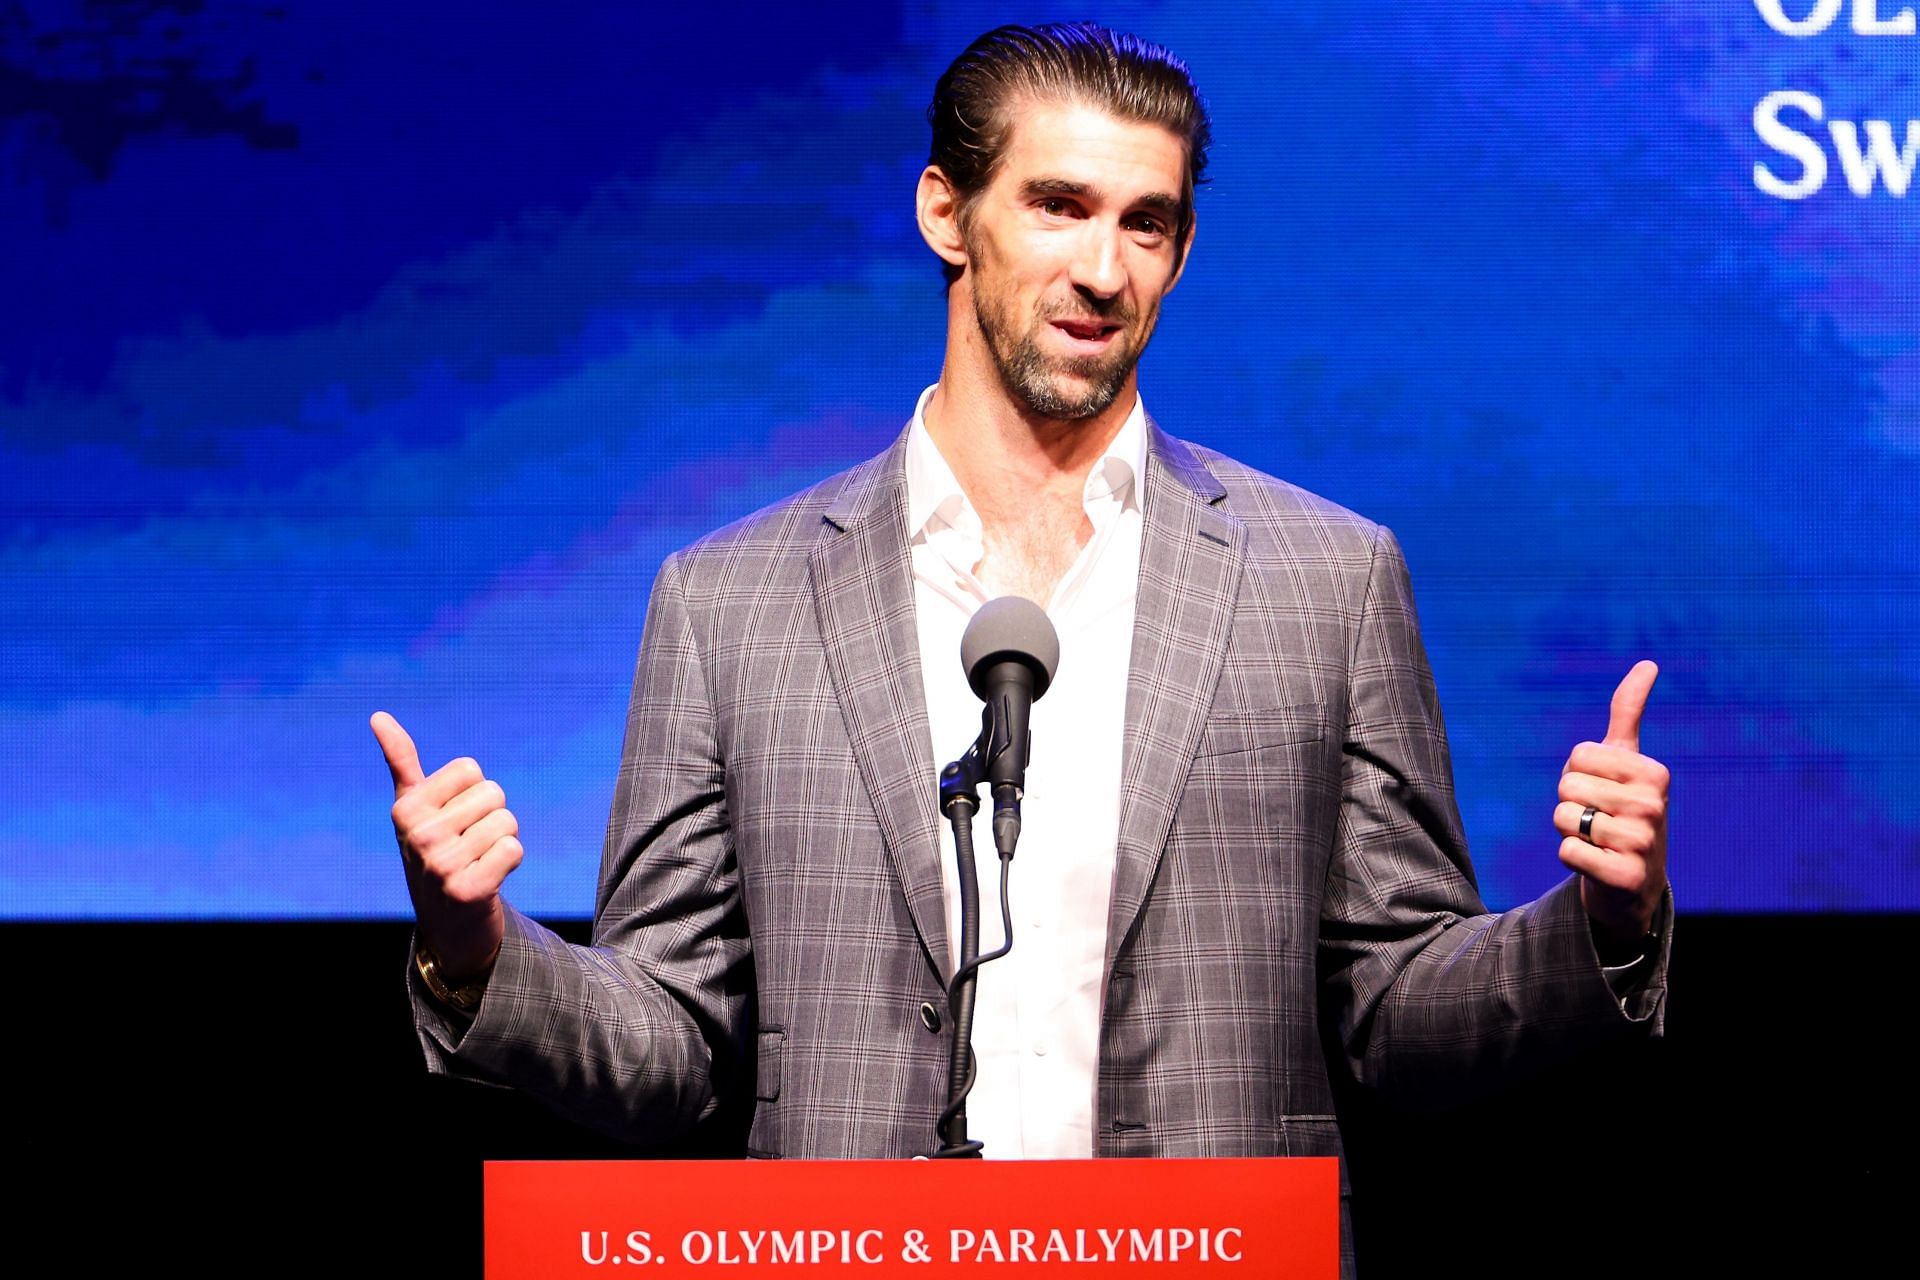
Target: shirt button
{"x": 1039, "y": 1048}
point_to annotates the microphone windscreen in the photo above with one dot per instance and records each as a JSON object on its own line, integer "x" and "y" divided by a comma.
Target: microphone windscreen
{"x": 1010, "y": 628}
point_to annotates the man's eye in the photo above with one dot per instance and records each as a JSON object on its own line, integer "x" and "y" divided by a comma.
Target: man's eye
{"x": 1054, "y": 208}
{"x": 1149, "y": 226}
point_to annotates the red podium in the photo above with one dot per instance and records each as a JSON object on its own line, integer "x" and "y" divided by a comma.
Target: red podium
{"x": 660, "y": 1219}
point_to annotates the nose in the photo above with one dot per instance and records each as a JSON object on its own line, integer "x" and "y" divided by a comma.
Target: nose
{"x": 1096, "y": 268}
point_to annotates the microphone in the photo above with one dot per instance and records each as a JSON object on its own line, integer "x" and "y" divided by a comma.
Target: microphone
{"x": 1009, "y": 652}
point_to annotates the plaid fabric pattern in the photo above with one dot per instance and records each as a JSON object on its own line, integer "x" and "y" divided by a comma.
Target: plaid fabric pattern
{"x": 1292, "y": 889}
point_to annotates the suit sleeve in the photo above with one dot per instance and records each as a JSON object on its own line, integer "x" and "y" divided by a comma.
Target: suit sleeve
{"x": 1428, "y": 997}
{"x": 640, "y": 1035}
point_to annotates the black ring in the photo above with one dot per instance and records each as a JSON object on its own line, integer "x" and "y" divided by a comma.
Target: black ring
{"x": 1586, "y": 824}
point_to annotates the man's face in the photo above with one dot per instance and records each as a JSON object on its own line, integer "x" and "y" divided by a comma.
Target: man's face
{"x": 1070, "y": 249}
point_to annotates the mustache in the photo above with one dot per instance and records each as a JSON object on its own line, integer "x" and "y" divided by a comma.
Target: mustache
{"x": 1115, "y": 311}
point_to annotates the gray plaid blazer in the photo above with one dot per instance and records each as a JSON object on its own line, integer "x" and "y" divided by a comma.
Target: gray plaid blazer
{"x": 1292, "y": 893}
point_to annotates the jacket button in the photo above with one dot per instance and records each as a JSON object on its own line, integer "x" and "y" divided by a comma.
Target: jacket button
{"x": 929, "y": 1016}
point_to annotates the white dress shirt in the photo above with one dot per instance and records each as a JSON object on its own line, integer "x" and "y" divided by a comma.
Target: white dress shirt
{"x": 1037, "y": 1020}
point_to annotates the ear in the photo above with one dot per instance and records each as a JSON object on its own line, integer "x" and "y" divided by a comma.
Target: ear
{"x": 1186, "y": 255}
{"x": 938, "y": 207}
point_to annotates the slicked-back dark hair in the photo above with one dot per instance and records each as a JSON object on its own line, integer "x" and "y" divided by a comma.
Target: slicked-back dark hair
{"x": 1125, "y": 76}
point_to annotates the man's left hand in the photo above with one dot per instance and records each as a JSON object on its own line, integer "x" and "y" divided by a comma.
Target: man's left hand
{"x": 1622, "y": 860}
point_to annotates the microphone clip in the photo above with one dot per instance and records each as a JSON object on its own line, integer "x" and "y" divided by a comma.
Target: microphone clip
{"x": 960, "y": 781}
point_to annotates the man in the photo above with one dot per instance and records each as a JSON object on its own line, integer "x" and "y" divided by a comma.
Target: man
{"x": 1242, "y": 860}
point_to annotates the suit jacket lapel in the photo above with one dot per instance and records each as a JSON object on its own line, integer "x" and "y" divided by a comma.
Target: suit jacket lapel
{"x": 862, "y": 575}
{"x": 1191, "y": 555}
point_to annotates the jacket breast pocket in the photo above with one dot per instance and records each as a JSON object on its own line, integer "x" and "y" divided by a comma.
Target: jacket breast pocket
{"x": 1262, "y": 775}
{"x": 1234, "y": 732}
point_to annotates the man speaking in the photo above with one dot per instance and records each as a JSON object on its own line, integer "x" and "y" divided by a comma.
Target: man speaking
{"x": 1242, "y": 870}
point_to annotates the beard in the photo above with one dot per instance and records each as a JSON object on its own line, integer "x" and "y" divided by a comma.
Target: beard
{"x": 1057, "y": 387}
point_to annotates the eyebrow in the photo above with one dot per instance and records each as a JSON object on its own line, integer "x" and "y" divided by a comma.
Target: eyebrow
{"x": 1159, "y": 202}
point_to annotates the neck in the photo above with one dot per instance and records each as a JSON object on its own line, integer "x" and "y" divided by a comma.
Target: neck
{"x": 1005, "y": 456}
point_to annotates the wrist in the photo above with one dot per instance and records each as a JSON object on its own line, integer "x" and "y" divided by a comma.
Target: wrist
{"x": 1629, "y": 942}
{"x": 1620, "y": 951}
{"x": 457, "y": 991}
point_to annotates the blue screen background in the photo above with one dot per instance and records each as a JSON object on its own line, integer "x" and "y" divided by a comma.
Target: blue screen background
{"x": 360, "y": 356}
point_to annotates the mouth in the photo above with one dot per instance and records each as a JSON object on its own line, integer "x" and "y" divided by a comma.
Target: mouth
{"x": 1086, "y": 335}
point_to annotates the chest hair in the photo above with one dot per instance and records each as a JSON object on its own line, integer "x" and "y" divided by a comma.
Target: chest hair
{"x": 1028, "y": 556}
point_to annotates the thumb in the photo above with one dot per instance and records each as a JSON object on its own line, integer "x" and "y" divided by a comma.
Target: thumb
{"x": 403, "y": 760}
{"x": 1629, "y": 702}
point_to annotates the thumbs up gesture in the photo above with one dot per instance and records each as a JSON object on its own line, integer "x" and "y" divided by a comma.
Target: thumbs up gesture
{"x": 1613, "y": 817}
{"x": 459, "y": 841}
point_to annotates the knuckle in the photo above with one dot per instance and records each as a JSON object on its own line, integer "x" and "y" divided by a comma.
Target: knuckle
{"x": 441, "y": 864}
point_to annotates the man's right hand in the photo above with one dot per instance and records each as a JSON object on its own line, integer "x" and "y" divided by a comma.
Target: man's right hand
{"x": 459, "y": 841}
